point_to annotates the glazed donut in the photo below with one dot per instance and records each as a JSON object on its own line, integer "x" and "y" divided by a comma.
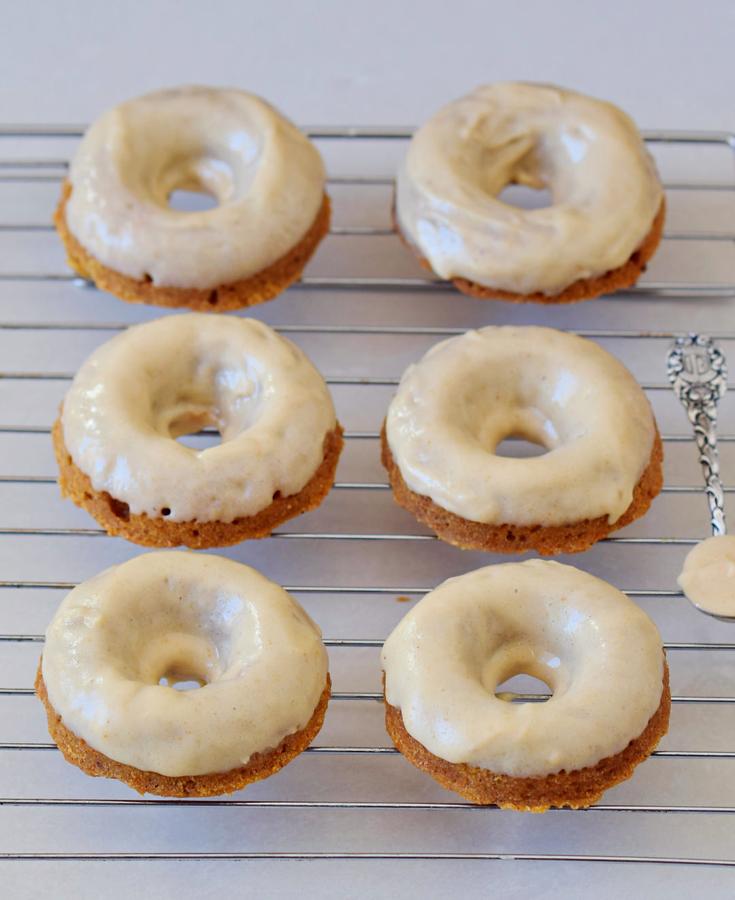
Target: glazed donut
{"x": 120, "y": 641}
{"x": 607, "y": 204}
{"x": 602, "y": 467}
{"x": 266, "y": 176}
{"x": 600, "y": 655}
{"x": 116, "y": 446}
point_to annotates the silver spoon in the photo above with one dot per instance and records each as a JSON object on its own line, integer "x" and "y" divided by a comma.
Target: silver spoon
{"x": 698, "y": 373}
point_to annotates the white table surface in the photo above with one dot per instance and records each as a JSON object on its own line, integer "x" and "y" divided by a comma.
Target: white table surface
{"x": 670, "y": 65}
{"x": 668, "y": 62}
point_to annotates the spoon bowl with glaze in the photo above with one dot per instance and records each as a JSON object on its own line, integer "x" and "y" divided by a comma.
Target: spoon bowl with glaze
{"x": 698, "y": 374}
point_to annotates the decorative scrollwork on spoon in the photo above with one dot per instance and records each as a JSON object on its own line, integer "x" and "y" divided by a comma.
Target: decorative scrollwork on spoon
{"x": 698, "y": 373}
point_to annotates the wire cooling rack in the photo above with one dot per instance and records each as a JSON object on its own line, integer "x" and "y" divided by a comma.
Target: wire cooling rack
{"x": 363, "y": 312}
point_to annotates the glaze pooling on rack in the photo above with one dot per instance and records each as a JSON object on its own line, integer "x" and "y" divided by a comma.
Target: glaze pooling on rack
{"x": 656, "y": 800}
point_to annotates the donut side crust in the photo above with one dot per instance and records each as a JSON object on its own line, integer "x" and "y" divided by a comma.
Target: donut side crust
{"x": 117, "y": 520}
{"x": 546, "y": 540}
{"x": 577, "y": 789}
{"x": 260, "y": 765}
{"x": 619, "y": 279}
{"x": 250, "y": 291}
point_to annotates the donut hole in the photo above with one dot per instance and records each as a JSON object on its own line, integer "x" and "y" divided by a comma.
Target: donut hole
{"x": 179, "y": 659}
{"x": 521, "y": 433}
{"x": 192, "y": 201}
{"x": 516, "y": 446}
{"x": 197, "y": 184}
{"x": 181, "y": 681}
{"x": 203, "y": 401}
{"x": 507, "y": 413}
{"x": 196, "y": 433}
{"x": 190, "y": 672}
{"x": 513, "y": 406}
{"x": 181, "y": 631}
{"x": 524, "y": 197}
{"x": 519, "y": 671}
{"x": 524, "y": 688}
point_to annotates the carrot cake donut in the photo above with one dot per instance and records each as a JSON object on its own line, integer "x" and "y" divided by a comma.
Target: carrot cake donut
{"x": 121, "y": 642}
{"x": 603, "y": 464}
{"x": 268, "y": 180}
{"x": 116, "y": 436}
{"x": 607, "y": 204}
{"x": 600, "y": 655}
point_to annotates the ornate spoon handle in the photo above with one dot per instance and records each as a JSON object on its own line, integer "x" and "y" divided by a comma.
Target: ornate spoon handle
{"x": 705, "y": 434}
{"x": 698, "y": 373}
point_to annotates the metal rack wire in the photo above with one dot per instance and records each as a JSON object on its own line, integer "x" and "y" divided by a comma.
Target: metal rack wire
{"x": 351, "y": 558}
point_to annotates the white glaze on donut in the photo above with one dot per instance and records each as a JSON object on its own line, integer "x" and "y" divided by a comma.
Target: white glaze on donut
{"x": 267, "y": 177}
{"x": 182, "y": 615}
{"x": 604, "y": 187}
{"x": 469, "y": 393}
{"x": 598, "y": 652}
{"x": 708, "y": 575}
{"x": 139, "y": 391}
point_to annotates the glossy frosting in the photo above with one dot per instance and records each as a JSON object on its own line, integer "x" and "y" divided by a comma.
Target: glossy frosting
{"x": 598, "y": 652}
{"x": 603, "y": 184}
{"x": 708, "y": 576}
{"x": 266, "y": 176}
{"x": 454, "y": 407}
{"x": 173, "y": 376}
{"x": 183, "y": 616}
